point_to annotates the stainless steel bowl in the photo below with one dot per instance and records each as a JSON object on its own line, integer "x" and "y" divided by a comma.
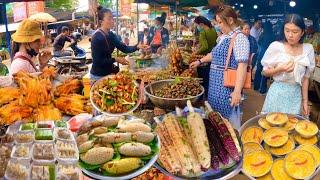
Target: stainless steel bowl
{"x": 168, "y": 103}
{"x": 254, "y": 122}
{"x": 96, "y": 107}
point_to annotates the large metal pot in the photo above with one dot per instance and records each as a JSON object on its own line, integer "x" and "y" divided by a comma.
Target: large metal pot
{"x": 168, "y": 103}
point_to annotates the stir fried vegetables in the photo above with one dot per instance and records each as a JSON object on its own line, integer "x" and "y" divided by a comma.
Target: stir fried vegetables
{"x": 117, "y": 94}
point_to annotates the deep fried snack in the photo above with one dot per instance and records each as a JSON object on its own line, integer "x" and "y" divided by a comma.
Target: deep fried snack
{"x": 8, "y": 94}
{"x": 46, "y": 112}
{"x": 48, "y": 72}
{"x": 12, "y": 112}
{"x": 70, "y": 86}
{"x": 73, "y": 104}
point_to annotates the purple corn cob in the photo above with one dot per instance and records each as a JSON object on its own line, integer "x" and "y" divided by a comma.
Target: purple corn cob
{"x": 224, "y": 135}
{"x": 216, "y": 146}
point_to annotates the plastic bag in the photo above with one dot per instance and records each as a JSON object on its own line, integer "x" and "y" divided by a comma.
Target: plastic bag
{"x": 235, "y": 117}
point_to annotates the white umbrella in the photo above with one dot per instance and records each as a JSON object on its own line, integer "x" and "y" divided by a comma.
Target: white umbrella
{"x": 43, "y": 17}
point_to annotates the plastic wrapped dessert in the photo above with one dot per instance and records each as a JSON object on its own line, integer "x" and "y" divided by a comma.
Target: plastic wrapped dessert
{"x": 277, "y": 119}
{"x": 252, "y": 134}
{"x": 306, "y": 129}
{"x": 257, "y": 163}
{"x": 275, "y": 137}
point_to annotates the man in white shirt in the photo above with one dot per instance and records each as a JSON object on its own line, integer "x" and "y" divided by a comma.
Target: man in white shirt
{"x": 142, "y": 26}
{"x": 256, "y": 30}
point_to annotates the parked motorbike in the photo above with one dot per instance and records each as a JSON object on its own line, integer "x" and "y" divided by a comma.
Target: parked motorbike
{"x": 72, "y": 65}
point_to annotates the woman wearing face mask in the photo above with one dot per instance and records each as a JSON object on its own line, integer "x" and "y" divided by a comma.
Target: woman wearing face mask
{"x": 289, "y": 62}
{"x": 158, "y": 37}
{"x": 207, "y": 40}
{"x": 218, "y": 95}
{"x": 26, "y": 46}
{"x": 103, "y": 43}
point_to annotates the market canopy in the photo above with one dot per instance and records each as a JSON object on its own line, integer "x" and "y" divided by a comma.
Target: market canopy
{"x": 181, "y": 3}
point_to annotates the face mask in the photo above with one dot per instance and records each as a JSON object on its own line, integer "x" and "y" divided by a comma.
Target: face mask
{"x": 32, "y": 52}
{"x": 217, "y": 28}
{"x": 200, "y": 28}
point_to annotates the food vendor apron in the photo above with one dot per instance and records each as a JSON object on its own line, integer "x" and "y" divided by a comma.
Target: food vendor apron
{"x": 218, "y": 95}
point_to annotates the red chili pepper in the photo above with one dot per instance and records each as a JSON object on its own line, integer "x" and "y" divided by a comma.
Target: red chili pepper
{"x": 301, "y": 163}
{"x": 275, "y": 137}
{"x": 258, "y": 164}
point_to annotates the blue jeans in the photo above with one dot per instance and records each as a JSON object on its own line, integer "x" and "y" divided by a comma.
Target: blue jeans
{"x": 140, "y": 36}
{"x": 260, "y": 81}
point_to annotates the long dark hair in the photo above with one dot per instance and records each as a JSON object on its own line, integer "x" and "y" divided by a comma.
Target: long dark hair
{"x": 203, "y": 20}
{"x": 15, "y": 47}
{"x": 297, "y": 20}
{"x": 101, "y": 12}
{"x": 162, "y": 18}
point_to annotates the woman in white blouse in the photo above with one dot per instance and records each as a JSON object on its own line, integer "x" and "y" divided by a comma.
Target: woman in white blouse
{"x": 290, "y": 63}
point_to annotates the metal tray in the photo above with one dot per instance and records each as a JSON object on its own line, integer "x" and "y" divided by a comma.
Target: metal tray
{"x": 254, "y": 122}
{"x": 126, "y": 176}
{"x": 211, "y": 174}
{"x": 168, "y": 103}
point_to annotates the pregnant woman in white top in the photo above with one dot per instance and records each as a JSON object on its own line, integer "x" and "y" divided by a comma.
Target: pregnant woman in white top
{"x": 290, "y": 63}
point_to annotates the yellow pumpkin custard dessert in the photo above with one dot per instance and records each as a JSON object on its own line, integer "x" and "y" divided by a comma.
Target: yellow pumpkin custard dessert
{"x": 278, "y": 172}
{"x": 265, "y": 177}
{"x": 250, "y": 147}
{"x": 314, "y": 150}
{"x": 275, "y": 137}
{"x": 291, "y": 124}
{"x": 301, "y": 140}
{"x": 299, "y": 164}
{"x": 263, "y": 123}
{"x": 257, "y": 163}
{"x": 306, "y": 128}
{"x": 277, "y": 119}
{"x": 282, "y": 150}
{"x": 252, "y": 134}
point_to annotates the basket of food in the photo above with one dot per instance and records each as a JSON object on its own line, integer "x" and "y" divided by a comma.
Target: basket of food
{"x": 115, "y": 95}
{"x": 174, "y": 92}
{"x": 280, "y": 146}
{"x": 196, "y": 147}
{"x": 116, "y": 148}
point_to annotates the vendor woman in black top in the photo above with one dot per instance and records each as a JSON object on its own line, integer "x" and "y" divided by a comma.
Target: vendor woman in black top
{"x": 103, "y": 43}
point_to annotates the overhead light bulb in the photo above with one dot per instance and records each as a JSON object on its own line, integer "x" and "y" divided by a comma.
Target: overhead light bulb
{"x": 241, "y": 5}
{"x": 255, "y": 6}
{"x": 292, "y": 3}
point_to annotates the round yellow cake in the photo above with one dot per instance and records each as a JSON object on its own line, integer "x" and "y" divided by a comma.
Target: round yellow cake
{"x": 278, "y": 172}
{"x": 275, "y": 137}
{"x": 252, "y": 134}
{"x": 250, "y": 147}
{"x": 277, "y": 119}
{"x": 306, "y": 128}
{"x": 282, "y": 150}
{"x": 314, "y": 150}
{"x": 263, "y": 123}
{"x": 299, "y": 164}
{"x": 257, "y": 163}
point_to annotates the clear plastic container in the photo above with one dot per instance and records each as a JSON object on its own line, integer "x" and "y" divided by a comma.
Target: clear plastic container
{"x": 61, "y": 124}
{"x": 24, "y": 137}
{"x": 39, "y": 171}
{"x": 65, "y": 136}
{"x": 17, "y": 170}
{"x": 42, "y": 149}
{"x": 23, "y": 127}
{"x": 27, "y": 157}
{"x": 67, "y": 171}
{"x": 45, "y": 125}
{"x": 62, "y": 147}
{"x": 43, "y": 138}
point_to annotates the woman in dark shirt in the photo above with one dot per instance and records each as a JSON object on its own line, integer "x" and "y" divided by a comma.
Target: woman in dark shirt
{"x": 102, "y": 45}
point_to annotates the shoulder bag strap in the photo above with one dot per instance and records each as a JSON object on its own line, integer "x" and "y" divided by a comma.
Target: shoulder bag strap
{"x": 233, "y": 39}
{"x": 26, "y": 59}
{"x": 105, "y": 37}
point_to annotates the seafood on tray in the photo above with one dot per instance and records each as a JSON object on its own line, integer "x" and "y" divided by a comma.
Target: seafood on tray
{"x": 70, "y": 86}
{"x": 116, "y": 94}
{"x": 284, "y": 147}
{"x": 114, "y": 146}
{"x": 191, "y": 145}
